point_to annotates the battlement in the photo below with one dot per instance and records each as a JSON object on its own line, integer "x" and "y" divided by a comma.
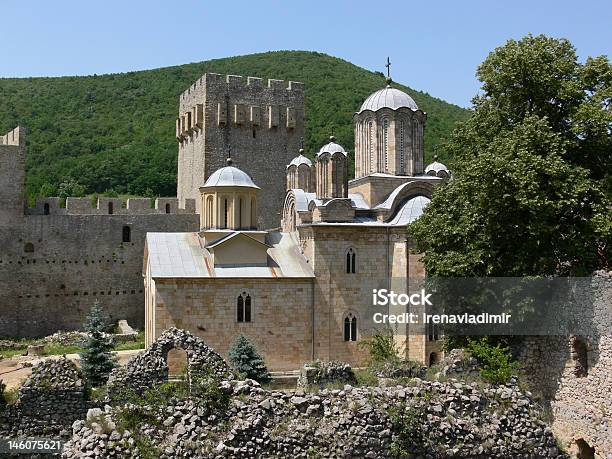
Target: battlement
{"x": 238, "y": 81}
{"x": 111, "y": 206}
{"x": 16, "y": 137}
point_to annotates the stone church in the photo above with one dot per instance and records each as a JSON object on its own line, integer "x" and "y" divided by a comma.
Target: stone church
{"x": 302, "y": 291}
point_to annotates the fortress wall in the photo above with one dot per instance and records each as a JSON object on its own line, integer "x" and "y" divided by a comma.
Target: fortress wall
{"x": 75, "y": 259}
{"x": 110, "y": 206}
{"x": 263, "y": 121}
{"x": 12, "y": 176}
{"x": 580, "y": 403}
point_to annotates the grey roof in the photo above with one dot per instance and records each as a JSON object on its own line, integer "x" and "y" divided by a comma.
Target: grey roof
{"x": 230, "y": 176}
{"x": 388, "y": 98}
{"x": 436, "y": 167}
{"x": 332, "y": 147}
{"x": 299, "y": 160}
{"x": 410, "y": 211}
{"x": 182, "y": 255}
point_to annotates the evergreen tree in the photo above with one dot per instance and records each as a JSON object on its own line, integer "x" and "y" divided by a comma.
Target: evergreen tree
{"x": 97, "y": 361}
{"x": 245, "y": 360}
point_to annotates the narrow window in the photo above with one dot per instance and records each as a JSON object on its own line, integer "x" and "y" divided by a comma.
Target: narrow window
{"x": 127, "y": 236}
{"x": 243, "y": 308}
{"x": 110, "y": 207}
{"x": 350, "y": 328}
{"x": 240, "y": 309}
{"x": 167, "y": 208}
{"x": 28, "y": 248}
{"x": 225, "y": 219}
{"x": 351, "y": 261}
{"x": 239, "y": 226}
{"x": 254, "y": 135}
{"x": 247, "y": 309}
{"x": 46, "y": 208}
{"x": 401, "y": 149}
{"x": 385, "y": 148}
{"x": 347, "y": 329}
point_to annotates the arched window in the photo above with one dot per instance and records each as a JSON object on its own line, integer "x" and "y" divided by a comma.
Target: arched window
{"x": 46, "y": 208}
{"x": 350, "y": 327}
{"x": 385, "y": 148}
{"x": 351, "y": 261}
{"x": 209, "y": 211}
{"x": 110, "y": 207}
{"x": 432, "y": 334}
{"x": 28, "y": 248}
{"x": 127, "y": 234}
{"x": 371, "y": 154}
{"x": 167, "y": 208}
{"x": 401, "y": 148}
{"x": 243, "y": 308}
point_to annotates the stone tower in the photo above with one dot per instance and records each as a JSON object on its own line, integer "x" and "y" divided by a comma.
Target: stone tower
{"x": 331, "y": 171}
{"x": 263, "y": 123}
{"x": 389, "y": 134}
{"x": 12, "y": 179}
{"x": 301, "y": 174}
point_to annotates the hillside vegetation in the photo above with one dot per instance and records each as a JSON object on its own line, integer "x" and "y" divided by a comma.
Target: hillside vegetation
{"x": 115, "y": 133}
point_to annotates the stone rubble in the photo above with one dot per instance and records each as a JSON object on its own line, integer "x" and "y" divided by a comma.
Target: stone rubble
{"x": 323, "y": 373}
{"x": 450, "y": 419}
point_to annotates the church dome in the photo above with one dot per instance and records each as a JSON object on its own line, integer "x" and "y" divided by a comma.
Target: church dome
{"x": 388, "y": 98}
{"x": 437, "y": 169}
{"x": 332, "y": 147}
{"x": 299, "y": 160}
{"x": 230, "y": 176}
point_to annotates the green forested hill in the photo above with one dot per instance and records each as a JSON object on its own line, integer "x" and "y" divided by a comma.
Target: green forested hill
{"x": 115, "y": 133}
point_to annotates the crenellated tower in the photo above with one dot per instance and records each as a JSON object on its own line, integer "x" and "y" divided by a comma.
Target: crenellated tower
{"x": 262, "y": 120}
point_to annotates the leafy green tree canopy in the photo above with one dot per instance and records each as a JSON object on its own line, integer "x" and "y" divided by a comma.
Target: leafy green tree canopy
{"x": 530, "y": 193}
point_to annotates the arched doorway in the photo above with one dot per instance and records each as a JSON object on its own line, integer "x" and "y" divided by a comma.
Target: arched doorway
{"x": 178, "y": 362}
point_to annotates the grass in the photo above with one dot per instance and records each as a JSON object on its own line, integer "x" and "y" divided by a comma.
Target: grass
{"x": 60, "y": 349}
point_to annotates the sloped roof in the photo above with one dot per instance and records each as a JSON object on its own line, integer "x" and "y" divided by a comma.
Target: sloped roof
{"x": 183, "y": 255}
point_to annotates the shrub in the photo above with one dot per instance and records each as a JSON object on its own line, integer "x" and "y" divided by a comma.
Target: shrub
{"x": 96, "y": 360}
{"x": 246, "y": 361}
{"x": 496, "y": 365}
{"x": 381, "y": 346}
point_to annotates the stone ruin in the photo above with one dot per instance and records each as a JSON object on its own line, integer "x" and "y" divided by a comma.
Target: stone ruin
{"x": 323, "y": 373}
{"x": 440, "y": 419}
{"x": 151, "y": 367}
{"x": 50, "y": 400}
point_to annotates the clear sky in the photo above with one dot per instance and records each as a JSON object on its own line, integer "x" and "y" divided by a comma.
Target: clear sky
{"x": 435, "y": 46}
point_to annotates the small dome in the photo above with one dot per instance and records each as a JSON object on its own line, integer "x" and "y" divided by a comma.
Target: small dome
{"x": 299, "y": 160}
{"x": 332, "y": 147}
{"x": 388, "y": 98}
{"x": 230, "y": 176}
{"x": 436, "y": 168}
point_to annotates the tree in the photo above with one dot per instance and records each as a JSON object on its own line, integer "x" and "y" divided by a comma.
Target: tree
{"x": 97, "y": 361}
{"x": 245, "y": 360}
{"x": 530, "y": 191}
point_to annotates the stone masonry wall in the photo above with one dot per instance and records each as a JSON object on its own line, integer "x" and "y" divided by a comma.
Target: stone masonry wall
{"x": 53, "y": 267}
{"x": 580, "y": 403}
{"x": 281, "y": 325}
{"x": 263, "y": 121}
